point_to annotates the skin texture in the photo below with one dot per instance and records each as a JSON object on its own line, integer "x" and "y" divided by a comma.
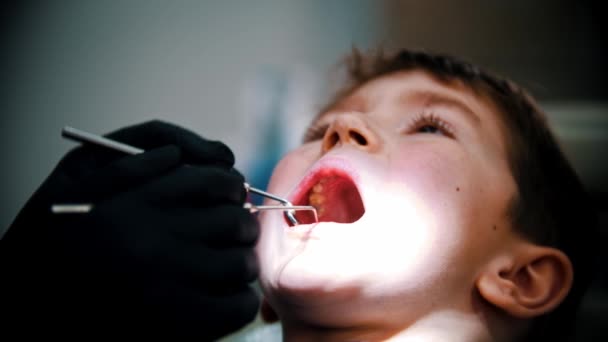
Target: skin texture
{"x": 429, "y": 160}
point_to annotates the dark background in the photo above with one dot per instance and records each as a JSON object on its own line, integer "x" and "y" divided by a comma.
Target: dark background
{"x": 236, "y": 70}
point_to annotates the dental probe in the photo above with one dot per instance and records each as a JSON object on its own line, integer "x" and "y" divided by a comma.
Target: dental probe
{"x": 82, "y": 136}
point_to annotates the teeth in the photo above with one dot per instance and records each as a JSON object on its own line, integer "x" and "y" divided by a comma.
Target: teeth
{"x": 318, "y": 187}
{"x": 316, "y": 199}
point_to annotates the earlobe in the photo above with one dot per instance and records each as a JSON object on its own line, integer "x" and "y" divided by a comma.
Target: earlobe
{"x": 529, "y": 283}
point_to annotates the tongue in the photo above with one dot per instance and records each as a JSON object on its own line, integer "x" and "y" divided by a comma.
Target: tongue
{"x": 342, "y": 203}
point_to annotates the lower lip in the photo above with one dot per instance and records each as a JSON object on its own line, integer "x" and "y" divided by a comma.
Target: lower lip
{"x": 314, "y": 231}
{"x": 302, "y": 228}
{"x": 307, "y": 231}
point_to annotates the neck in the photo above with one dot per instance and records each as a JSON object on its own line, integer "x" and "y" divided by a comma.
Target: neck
{"x": 438, "y": 326}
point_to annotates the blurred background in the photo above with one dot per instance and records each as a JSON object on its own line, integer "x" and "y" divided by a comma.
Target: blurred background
{"x": 253, "y": 73}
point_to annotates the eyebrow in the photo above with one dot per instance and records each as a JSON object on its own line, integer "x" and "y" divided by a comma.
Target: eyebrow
{"x": 431, "y": 98}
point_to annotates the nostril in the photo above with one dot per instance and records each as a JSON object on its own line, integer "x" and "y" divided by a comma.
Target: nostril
{"x": 331, "y": 140}
{"x": 358, "y": 137}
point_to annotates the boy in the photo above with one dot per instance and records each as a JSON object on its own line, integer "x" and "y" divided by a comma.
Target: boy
{"x": 447, "y": 213}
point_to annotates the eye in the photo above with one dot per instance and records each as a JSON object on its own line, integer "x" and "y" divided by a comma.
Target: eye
{"x": 429, "y": 129}
{"x": 430, "y": 123}
{"x": 315, "y": 132}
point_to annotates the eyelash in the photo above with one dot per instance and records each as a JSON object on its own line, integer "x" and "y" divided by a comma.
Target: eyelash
{"x": 425, "y": 118}
{"x": 316, "y": 131}
{"x": 422, "y": 119}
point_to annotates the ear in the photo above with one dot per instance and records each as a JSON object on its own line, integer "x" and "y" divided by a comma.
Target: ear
{"x": 268, "y": 313}
{"x": 530, "y": 282}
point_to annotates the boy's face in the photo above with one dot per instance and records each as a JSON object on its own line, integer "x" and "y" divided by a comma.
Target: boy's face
{"x": 428, "y": 162}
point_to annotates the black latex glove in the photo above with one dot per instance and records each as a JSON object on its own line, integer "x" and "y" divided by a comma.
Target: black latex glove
{"x": 167, "y": 250}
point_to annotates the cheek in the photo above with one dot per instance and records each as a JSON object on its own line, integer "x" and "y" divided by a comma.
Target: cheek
{"x": 465, "y": 198}
{"x": 439, "y": 176}
{"x": 447, "y": 187}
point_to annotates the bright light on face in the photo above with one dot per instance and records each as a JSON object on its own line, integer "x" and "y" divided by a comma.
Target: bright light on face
{"x": 429, "y": 195}
{"x": 331, "y": 255}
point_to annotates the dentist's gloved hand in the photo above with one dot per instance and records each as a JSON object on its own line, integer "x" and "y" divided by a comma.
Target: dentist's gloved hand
{"x": 167, "y": 250}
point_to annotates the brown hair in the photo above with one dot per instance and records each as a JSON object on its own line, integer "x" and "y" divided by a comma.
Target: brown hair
{"x": 551, "y": 207}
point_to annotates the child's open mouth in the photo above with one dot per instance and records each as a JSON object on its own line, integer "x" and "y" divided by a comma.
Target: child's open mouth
{"x": 334, "y": 195}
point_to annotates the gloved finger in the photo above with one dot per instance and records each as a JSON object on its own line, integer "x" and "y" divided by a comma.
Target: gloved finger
{"x": 216, "y": 226}
{"x": 197, "y": 186}
{"x": 219, "y": 271}
{"x": 186, "y": 310}
{"x": 196, "y": 149}
{"x": 232, "y": 311}
{"x": 84, "y": 160}
{"x": 124, "y": 173}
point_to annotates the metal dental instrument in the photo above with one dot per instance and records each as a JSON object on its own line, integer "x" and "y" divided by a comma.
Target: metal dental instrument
{"x": 85, "y": 137}
{"x": 289, "y": 213}
{"x": 255, "y": 208}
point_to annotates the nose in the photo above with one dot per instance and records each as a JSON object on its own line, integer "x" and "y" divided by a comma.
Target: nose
{"x": 351, "y": 129}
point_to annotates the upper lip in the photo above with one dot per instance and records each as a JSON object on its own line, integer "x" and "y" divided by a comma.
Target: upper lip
{"x": 324, "y": 167}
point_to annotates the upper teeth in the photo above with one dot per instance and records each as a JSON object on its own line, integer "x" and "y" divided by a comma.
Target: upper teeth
{"x": 316, "y": 198}
{"x": 319, "y": 186}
